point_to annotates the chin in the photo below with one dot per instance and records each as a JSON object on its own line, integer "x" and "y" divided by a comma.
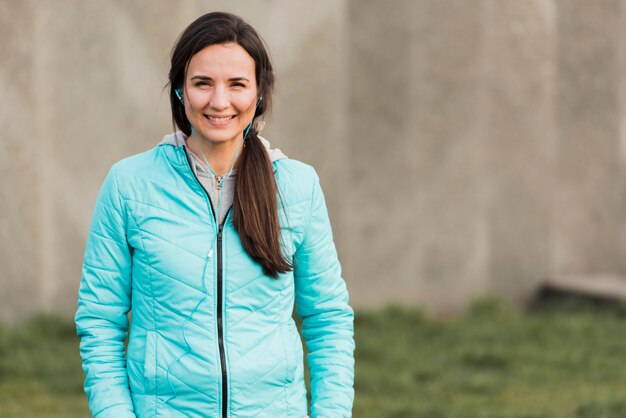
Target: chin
{"x": 219, "y": 138}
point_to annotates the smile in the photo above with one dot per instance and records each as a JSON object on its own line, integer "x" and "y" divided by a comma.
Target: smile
{"x": 219, "y": 121}
{"x": 219, "y": 118}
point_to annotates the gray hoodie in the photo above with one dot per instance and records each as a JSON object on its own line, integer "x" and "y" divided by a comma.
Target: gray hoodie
{"x": 207, "y": 179}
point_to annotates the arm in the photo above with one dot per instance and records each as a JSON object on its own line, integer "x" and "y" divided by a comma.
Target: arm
{"x": 327, "y": 319}
{"x": 103, "y": 304}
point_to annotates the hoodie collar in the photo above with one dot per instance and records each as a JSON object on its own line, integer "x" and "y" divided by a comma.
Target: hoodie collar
{"x": 178, "y": 138}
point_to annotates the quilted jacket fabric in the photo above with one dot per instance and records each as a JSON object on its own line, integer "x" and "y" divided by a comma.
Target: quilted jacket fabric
{"x": 210, "y": 335}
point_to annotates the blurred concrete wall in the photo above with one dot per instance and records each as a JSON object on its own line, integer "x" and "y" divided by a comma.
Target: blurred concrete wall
{"x": 465, "y": 147}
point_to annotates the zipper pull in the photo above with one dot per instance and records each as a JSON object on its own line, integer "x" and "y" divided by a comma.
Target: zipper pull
{"x": 218, "y": 179}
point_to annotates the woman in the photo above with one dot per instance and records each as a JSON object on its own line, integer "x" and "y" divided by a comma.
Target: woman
{"x": 210, "y": 238}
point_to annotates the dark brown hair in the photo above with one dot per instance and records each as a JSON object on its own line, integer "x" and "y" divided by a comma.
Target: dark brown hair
{"x": 255, "y": 208}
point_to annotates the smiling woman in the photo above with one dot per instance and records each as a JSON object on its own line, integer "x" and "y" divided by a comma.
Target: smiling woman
{"x": 211, "y": 238}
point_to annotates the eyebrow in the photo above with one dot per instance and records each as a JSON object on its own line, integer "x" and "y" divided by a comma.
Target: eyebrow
{"x": 205, "y": 78}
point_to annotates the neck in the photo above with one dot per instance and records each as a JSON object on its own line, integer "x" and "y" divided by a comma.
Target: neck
{"x": 219, "y": 156}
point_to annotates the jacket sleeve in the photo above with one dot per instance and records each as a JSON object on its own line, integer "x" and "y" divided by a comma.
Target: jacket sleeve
{"x": 103, "y": 304}
{"x": 327, "y": 319}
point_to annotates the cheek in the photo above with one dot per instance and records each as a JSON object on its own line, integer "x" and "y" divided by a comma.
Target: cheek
{"x": 197, "y": 98}
{"x": 245, "y": 105}
{"x": 196, "y": 102}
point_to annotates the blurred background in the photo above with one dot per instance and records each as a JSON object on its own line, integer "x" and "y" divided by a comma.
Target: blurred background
{"x": 472, "y": 153}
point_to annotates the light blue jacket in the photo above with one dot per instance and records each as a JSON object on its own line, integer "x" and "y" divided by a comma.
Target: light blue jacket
{"x": 211, "y": 335}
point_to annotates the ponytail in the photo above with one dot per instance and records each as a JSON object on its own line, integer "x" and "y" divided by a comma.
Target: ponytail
{"x": 255, "y": 208}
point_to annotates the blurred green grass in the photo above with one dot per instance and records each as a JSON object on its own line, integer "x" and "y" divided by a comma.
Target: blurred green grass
{"x": 563, "y": 359}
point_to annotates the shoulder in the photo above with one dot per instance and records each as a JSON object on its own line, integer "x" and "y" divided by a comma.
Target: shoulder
{"x": 295, "y": 170}
{"x": 295, "y": 177}
{"x": 298, "y": 184}
{"x": 132, "y": 174}
{"x": 155, "y": 163}
{"x": 138, "y": 163}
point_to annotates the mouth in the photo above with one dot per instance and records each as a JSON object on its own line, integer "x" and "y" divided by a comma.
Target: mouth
{"x": 219, "y": 118}
{"x": 219, "y": 121}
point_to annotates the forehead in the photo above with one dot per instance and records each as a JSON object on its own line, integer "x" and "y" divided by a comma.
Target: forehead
{"x": 218, "y": 60}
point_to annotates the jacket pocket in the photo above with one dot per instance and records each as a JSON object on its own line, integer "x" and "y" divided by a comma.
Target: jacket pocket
{"x": 149, "y": 364}
{"x": 293, "y": 351}
{"x": 287, "y": 352}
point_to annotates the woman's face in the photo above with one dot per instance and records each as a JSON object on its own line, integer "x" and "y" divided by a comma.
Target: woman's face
{"x": 220, "y": 92}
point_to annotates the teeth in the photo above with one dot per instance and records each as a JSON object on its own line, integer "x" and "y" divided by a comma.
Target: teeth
{"x": 219, "y": 119}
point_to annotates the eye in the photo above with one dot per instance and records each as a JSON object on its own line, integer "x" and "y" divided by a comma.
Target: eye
{"x": 201, "y": 84}
{"x": 237, "y": 84}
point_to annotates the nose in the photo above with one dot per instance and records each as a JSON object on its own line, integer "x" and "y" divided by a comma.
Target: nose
{"x": 219, "y": 99}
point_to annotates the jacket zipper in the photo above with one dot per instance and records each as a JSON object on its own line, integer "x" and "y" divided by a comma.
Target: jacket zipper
{"x": 220, "y": 327}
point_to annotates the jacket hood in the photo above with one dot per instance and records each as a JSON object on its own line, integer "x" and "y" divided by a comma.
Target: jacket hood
{"x": 178, "y": 139}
